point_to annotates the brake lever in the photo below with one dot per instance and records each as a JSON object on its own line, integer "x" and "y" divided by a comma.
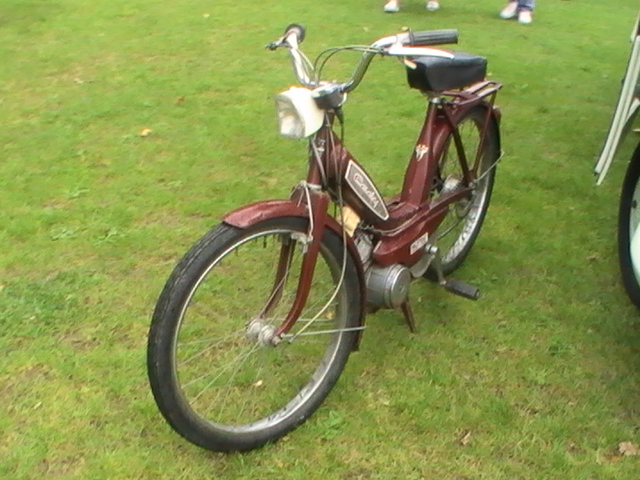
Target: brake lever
{"x": 274, "y": 45}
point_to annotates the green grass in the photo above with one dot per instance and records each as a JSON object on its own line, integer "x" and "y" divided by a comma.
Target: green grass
{"x": 537, "y": 380}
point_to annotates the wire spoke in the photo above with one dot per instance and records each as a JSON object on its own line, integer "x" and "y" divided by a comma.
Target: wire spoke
{"x": 209, "y": 348}
{"x": 238, "y": 359}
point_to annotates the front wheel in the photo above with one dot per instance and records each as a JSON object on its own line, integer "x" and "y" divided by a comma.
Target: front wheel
{"x": 215, "y": 376}
{"x": 458, "y": 231}
{"x": 629, "y": 229}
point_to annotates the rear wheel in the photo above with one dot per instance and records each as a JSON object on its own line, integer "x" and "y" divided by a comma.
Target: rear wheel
{"x": 215, "y": 376}
{"x": 629, "y": 229}
{"x": 459, "y": 229}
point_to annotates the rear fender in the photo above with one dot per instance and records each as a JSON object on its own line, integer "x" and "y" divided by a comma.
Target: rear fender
{"x": 496, "y": 116}
{"x": 493, "y": 121}
{"x": 249, "y": 215}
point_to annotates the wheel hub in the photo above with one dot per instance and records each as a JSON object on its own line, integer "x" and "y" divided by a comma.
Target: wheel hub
{"x": 261, "y": 333}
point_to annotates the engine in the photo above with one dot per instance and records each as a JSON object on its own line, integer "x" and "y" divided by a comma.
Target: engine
{"x": 387, "y": 287}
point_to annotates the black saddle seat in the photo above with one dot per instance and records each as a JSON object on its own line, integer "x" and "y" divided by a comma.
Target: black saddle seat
{"x": 436, "y": 74}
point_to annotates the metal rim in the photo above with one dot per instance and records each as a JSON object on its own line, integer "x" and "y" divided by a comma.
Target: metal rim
{"x": 464, "y": 216}
{"x": 323, "y": 364}
{"x": 634, "y": 224}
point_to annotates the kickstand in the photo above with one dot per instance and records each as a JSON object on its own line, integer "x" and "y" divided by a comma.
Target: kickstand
{"x": 408, "y": 316}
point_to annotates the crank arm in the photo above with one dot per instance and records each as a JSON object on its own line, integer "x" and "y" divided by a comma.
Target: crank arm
{"x": 452, "y": 285}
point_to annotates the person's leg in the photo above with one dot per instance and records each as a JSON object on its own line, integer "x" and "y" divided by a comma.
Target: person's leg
{"x": 526, "y": 4}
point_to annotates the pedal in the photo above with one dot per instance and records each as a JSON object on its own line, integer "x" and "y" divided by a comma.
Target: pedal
{"x": 452, "y": 285}
{"x": 461, "y": 288}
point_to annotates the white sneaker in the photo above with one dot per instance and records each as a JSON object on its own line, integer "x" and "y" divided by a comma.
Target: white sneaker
{"x": 432, "y": 5}
{"x": 509, "y": 11}
{"x": 524, "y": 17}
{"x": 392, "y": 6}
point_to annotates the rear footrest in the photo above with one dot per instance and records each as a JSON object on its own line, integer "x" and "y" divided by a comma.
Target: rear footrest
{"x": 461, "y": 288}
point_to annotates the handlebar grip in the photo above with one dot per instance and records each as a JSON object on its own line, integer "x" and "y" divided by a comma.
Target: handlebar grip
{"x": 297, "y": 29}
{"x": 432, "y": 37}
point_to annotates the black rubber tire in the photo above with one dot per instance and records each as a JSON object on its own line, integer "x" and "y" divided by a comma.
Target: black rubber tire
{"x": 628, "y": 221}
{"x": 468, "y": 214}
{"x": 199, "y": 298}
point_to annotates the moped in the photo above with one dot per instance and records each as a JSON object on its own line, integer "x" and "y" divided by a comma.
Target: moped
{"x": 622, "y": 121}
{"x": 257, "y": 321}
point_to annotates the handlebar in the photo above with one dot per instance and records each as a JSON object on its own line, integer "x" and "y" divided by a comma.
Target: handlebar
{"x": 431, "y": 37}
{"x": 295, "y": 29}
{"x": 395, "y": 45}
{"x": 293, "y": 35}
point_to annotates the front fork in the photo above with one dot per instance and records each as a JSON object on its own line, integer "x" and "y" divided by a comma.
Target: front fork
{"x": 317, "y": 203}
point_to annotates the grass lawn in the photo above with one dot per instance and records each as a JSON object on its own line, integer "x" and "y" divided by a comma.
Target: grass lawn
{"x": 129, "y": 128}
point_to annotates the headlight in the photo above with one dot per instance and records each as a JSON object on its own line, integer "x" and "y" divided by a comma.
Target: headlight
{"x": 298, "y": 114}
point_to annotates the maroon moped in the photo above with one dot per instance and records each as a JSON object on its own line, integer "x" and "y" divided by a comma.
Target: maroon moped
{"x": 257, "y": 321}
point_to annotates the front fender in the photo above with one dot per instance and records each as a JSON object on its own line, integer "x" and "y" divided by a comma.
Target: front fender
{"x": 251, "y": 214}
{"x": 254, "y": 213}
